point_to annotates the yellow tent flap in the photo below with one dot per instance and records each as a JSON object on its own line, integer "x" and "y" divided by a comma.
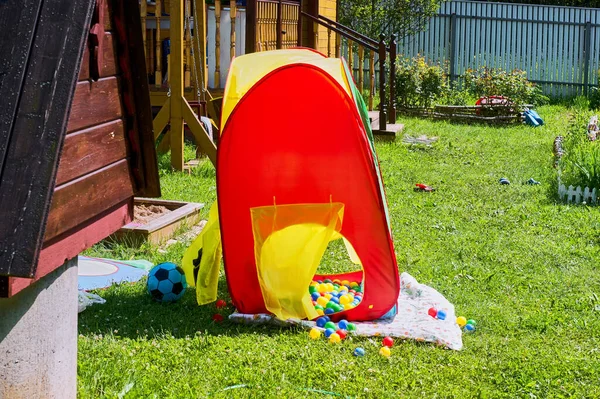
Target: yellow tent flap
{"x": 289, "y": 242}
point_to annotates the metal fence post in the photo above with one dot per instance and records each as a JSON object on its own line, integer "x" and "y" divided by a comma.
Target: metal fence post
{"x": 586, "y": 63}
{"x": 453, "y": 47}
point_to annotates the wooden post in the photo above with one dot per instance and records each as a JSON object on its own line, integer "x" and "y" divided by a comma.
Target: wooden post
{"x": 176, "y": 78}
{"x": 361, "y": 63}
{"x": 187, "y": 50}
{"x": 351, "y": 58}
{"x": 338, "y": 45}
{"x": 200, "y": 37}
{"x": 217, "y": 43}
{"x": 143, "y": 14}
{"x": 279, "y": 25}
{"x": 372, "y": 78}
{"x": 232, "y": 16}
{"x": 382, "y": 102}
{"x": 251, "y": 26}
{"x": 392, "y": 106}
{"x": 299, "y": 24}
{"x": 328, "y": 42}
{"x": 158, "y": 73}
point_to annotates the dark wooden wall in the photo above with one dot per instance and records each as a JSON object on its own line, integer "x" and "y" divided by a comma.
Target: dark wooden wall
{"x": 108, "y": 154}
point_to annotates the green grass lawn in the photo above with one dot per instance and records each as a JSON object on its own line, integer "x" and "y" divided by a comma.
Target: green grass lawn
{"x": 525, "y": 267}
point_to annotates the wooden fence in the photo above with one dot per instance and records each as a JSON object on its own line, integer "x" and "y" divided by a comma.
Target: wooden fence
{"x": 558, "y": 47}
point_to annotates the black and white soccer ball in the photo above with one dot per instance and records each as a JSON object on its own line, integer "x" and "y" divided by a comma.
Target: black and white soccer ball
{"x": 166, "y": 282}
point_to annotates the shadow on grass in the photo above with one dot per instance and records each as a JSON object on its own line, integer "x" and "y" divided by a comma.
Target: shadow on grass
{"x": 130, "y": 312}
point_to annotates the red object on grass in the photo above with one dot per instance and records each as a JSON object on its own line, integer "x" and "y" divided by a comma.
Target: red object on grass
{"x": 424, "y": 187}
{"x": 388, "y": 341}
{"x": 217, "y": 318}
{"x": 221, "y": 304}
{"x": 341, "y": 333}
{"x": 432, "y": 312}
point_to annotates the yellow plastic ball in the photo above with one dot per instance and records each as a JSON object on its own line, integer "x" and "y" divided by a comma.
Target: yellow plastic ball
{"x": 348, "y": 306}
{"x": 322, "y": 301}
{"x": 330, "y": 287}
{"x": 322, "y": 288}
{"x": 385, "y": 351}
{"x": 320, "y": 312}
{"x": 345, "y": 299}
{"x": 461, "y": 321}
{"x": 328, "y": 296}
{"x": 343, "y": 288}
{"x": 345, "y": 282}
{"x": 314, "y": 333}
{"x": 334, "y": 338}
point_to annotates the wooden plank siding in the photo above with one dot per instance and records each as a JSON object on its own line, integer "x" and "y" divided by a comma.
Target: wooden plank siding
{"x": 108, "y": 153}
{"x": 41, "y": 80}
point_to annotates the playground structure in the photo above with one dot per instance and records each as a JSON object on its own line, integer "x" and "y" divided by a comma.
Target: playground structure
{"x": 190, "y": 45}
{"x": 285, "y": 193}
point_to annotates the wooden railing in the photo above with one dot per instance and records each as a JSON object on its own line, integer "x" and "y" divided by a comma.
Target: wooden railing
{"x": 363, "y": 54}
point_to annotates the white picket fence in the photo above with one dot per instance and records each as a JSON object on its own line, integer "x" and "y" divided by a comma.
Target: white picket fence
{"x": 577, "y": 195}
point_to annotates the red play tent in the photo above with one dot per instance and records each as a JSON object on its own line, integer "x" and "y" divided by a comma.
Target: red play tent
{"x": 297, "y": 135}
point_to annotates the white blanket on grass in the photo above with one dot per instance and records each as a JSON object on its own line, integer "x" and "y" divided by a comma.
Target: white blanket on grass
{"x": 411, "y": 322}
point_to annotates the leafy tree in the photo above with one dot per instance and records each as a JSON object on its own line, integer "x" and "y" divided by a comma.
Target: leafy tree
{"x": 372, "y": 17}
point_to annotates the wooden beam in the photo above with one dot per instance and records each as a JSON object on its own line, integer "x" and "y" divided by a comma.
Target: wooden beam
{"x": 202, "y": 139}
{"x": 176, "y": 76}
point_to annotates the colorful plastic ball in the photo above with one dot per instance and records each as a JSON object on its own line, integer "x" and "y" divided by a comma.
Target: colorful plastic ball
{"x": 327, "y": 280}
{"x": 217, "y": 318}
{"x": 441, "y": 315}
{"x": 346, "y": 282}
{"x": 314, "y": 333}
{"x": 345, "y": 299}
{"x": 469, "y": 328}
{"x": 312, "y": 289}
{"x": 329, "y": 311}
{"x": 388, "y": 341}
{"x": 472, "y": 322}
{"x": 321, "y": 321}
{"x": 385, "y": 351}
{"x": 328, "y": 332}
{"x": 359, "y": 352}
{"x": 220, "y": 304}
{"x": 335, "y": 300}
{"x": 329, "y": 287}
{"x": 322, "y": 301}
{"x": 432, "y": 312}
{"x": 315, "y": 296}
{"x": 461, "y": 321}
{"x": 321, "y": 288}
{"x": 343, "y": 324}
{"x": 334, "y": 338}
{"x": 320, "y": 312}
{"x": 317, "y": 307}
{"x": 330, "y": 305}
{"x": 351, "y": 327}
{"x": 341, "y": 333}
{"x": 330, "y": 324}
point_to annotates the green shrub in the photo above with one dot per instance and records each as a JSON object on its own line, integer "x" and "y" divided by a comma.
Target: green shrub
{"x": 580, "y": 164}
{"x": 419, "y": 84}
{"x": 595, "y": 94}
{"x": 497, "y": 82}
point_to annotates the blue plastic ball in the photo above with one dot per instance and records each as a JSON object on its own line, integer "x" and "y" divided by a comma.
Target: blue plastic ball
{"x": 329, "y": 311}
{"x": 315, "y": 296}
{"x": 328, "y": 332}
{"x": 343, "y": 324}
{"x": 321, "y": 321}
{"x": 360, "y": 352}
{"x": 441, "y": 315}
{"x": 166, "y": 282}
{"x": 334, "y": 300}
{"x": 469, "y": 328}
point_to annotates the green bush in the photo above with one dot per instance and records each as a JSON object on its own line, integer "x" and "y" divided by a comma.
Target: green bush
{"x": 595, "y": 95}
{"x": 419, "y": 84}
{"x": 580, "y": 164}
{"x": 497, "y": 82}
